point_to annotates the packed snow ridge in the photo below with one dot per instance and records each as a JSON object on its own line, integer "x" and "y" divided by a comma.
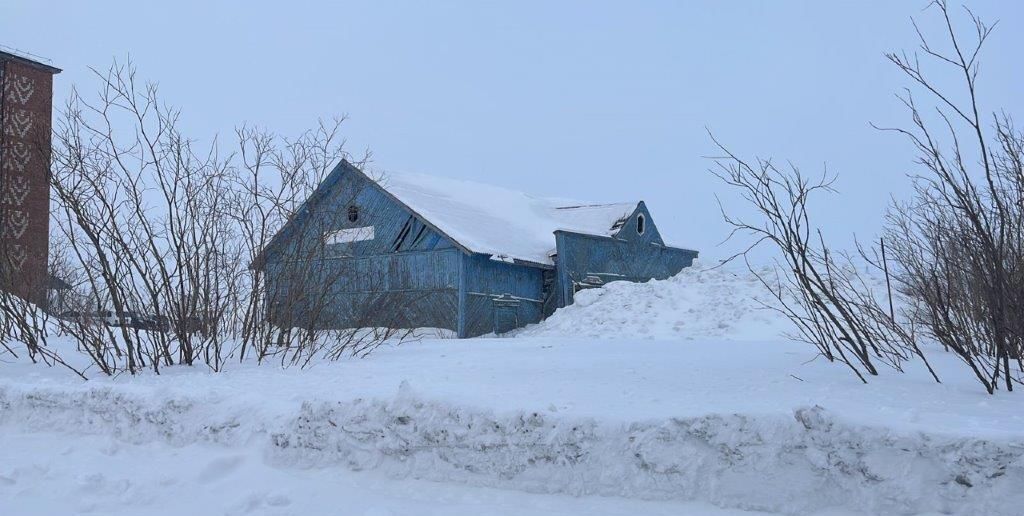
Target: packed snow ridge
{"x": 805, "y": 462}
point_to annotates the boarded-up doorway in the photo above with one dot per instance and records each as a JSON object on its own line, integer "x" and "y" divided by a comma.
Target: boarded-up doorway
{"x": 506, "y": 314}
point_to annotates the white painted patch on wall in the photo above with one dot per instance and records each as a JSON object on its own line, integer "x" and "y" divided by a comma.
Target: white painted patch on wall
{"x": 342, "y": 236}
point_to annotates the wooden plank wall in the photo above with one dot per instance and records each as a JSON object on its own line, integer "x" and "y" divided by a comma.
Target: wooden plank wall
{"x": 488, "y": 282}
{"x": 582, "y": 257}
{"x": 407, "y": 275}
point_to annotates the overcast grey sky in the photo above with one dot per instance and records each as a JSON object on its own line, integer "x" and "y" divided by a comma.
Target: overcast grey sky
{"x": 598, "y": 101}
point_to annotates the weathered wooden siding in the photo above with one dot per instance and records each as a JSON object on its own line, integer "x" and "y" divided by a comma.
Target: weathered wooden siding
{"x": 628, "y": 231}
{"x": 407, "y": 275}
{"x": 395, "y": 228}
{"x": 491, "y": 287}
{"x": 586, "y": 261}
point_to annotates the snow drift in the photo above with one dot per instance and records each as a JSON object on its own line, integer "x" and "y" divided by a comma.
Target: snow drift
{"x": 699, "y": 302}
{"x": 810, "y": 460}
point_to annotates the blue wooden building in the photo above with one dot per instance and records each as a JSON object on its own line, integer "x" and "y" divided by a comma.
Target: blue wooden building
{"x": 418, "y": 251}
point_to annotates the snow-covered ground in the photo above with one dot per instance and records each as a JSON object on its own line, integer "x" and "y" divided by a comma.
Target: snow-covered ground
{"x": 709, "y": 406}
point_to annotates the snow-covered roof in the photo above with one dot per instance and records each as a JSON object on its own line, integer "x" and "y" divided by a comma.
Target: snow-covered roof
{"x": 497, "y": 221}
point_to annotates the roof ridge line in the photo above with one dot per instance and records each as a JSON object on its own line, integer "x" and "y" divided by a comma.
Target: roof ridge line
{"x": 595, "y": 205}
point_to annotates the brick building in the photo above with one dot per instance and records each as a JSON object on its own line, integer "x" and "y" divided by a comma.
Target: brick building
{"x": 26, "y": 106}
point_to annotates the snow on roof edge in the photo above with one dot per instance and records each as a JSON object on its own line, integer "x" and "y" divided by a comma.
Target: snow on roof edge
{"x": 533, "y": 245}
{"x": 501, "y": 222}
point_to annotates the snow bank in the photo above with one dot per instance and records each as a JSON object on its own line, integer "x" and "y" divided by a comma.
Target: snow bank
{"x": 799, "y": 464}
{"x": 805, "y": 461}
{"x": 699, "y": 302}
{"x": 94, "y": 474}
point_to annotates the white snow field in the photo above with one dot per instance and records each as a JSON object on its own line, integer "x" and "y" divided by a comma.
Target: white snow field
{"x": 707, "y": 412}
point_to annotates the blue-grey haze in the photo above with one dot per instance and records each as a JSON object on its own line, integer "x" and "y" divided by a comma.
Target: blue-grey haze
{"x": 593, "y": 100}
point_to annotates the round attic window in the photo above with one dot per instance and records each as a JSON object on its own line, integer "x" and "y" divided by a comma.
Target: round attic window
{"x": 353, "y": 213}
{"x": 641, "y": 222}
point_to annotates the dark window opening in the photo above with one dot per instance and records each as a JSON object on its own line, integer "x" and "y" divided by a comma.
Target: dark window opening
{"x": 419, "y": 236}
{"x": 400, "y": 239}
{"x": 353, "y": 213}
{"x": 640, "y": 224}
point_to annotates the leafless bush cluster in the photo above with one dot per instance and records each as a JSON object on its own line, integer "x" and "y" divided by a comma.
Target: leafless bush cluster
{"x": 141, "y": 209}
{"x": 23, "y": 330}
{"x": 960, "y": 240}
{"x": 830, "y": 303}
{"x": 155, "y": 234}
{"x": 957, "y": 247}
{"x": 288, "y": 302}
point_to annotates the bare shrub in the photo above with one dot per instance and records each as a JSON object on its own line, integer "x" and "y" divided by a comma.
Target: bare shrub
{"x": 296, "y": 304}
{"x": 957, "y": 245}
{"x": 140, "y": 208}
{"x": 24, "y": 328}
{"x": 274, "y": 178}
{"x": 960, "y": 240}
{"x": 820, "y": 291}
{"x": 160, "y": 231}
